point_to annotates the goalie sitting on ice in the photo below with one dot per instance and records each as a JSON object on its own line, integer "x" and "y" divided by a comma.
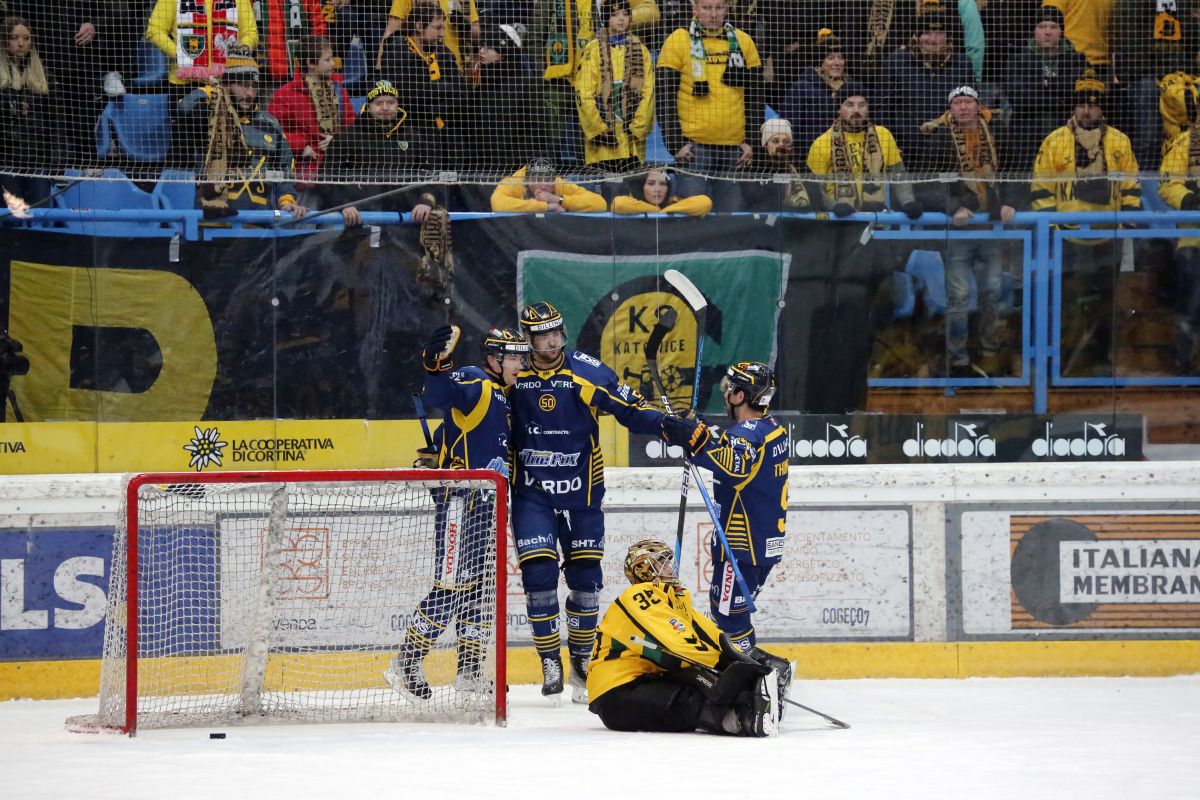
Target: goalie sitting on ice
{"x": 658, "y": 665}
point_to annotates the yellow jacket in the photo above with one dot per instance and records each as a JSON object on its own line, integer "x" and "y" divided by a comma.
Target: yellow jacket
{"x": 160, "y": 30}
{"x": 510, "y": 196}
{"x": 1054, "y": 174}
{"x": 1175, "y": 183}
{"x": 696, "y": 205}
{"x": 661, "y": 616}
{"x": 587, "y": 85}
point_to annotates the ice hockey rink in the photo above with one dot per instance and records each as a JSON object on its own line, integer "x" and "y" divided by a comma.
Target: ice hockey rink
{"x": 976, "y": 738}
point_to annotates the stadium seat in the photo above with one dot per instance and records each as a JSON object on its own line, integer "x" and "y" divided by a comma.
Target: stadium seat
{"x": 656, "y": 148}
{"x": 151, "y": 66}
{"x": 358, "y": 103}
{"x": 171, "y": 193}
{"x": 138, "y": 124}
{"x": 112, "y": 191}
{"x": 354, "y": 70}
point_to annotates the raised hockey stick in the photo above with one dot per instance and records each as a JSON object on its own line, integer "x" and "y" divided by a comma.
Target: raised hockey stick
{"x": 695, "y": 300}
{"x": 646, "y": 644}
{"x": 419, "y": 405}
{"x": 665, "y": 323}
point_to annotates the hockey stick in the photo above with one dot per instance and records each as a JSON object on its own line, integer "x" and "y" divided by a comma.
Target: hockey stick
{"x": 645, "y": 644}
{"x": 419, "y": 405}
{"x": 699, "y": 306}
{"x": 665, "y": 323}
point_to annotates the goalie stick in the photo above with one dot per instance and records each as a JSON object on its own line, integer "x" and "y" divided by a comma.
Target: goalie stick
{"x": 646, "y": 644}
{"x": 665, "y": 323}
{"x": 695, "y": 300}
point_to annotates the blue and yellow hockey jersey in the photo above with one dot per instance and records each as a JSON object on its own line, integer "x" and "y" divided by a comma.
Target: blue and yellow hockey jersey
{"x": 475, "y": 430}
{"x": 555, "y": 433}
{"x": 749, "y": 464}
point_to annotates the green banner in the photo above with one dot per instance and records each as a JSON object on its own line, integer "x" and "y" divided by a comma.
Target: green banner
{"x": 610, "y": 304}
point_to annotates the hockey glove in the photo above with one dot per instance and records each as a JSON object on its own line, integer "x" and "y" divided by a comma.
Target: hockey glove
{"x": 690, "y": 434}
{"x": 843, "y": 210}
{"x": 1190, "y": 202}
{"x": 436, "y": 356}
{"x": 912, "y": 209}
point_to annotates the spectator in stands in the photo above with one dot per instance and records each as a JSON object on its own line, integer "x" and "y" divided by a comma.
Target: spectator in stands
{"x": 504, "y": 93}
{"x": 859, "y": 157}
{"x": 920, "y": 76}
{"x": 27, "y": 139}
{"x": 782, "y": 32}
{"x": 650, "y": 193}
{"x": 1180, "y": 188}
{"x": 1040, "y": 82}
{"x": 779, "y": 186}
{"x": 373, "y": 157}
{"x": 246, "y": 148}
{"x": 284, "y": 26}
{"x": 806, "y": 102}
{"x": 462, "y": 29}
{"x": 615, "y": 83}
{"x": 195, "y": 38}
{"x": 313, "y": 108}
{"x": 963, "y": 143}
{"x": 709, "y": 100}
{"x": 1086, "y": 25}
{"x": 1149, "y": 42}
{"x": 431, "y": 87}
{"x": 559, "y": 32}
{"x": 68, "y": 41}
{"x": 1071, "y": 173}
{"x": 538, "y": 187}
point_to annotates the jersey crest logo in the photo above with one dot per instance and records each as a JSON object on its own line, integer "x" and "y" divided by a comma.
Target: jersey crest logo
{"x": 547, "y": 403}
{"x": 677, "y": 625}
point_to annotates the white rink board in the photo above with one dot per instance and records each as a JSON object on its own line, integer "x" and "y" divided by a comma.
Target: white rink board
{"x": 844, "y": 573}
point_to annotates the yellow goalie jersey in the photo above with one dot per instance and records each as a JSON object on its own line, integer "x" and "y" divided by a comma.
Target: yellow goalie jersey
{"x": 663, "y": 618}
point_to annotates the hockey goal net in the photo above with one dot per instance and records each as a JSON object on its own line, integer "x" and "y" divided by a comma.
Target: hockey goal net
{"x": 286, "y": 596}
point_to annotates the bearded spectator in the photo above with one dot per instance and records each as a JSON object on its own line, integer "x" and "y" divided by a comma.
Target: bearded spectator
{"x": 774, "y": 183}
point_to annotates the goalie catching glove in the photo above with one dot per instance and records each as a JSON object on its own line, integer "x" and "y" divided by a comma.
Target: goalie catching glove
{"x": 690, "y": 433}
{"x": 438, "y": 351}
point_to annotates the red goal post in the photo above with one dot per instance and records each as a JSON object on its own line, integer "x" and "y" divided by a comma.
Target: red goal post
{"x": 283, "y": 596}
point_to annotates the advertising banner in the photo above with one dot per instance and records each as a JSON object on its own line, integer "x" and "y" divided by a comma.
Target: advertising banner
{"x": 940, "y": 439}
{"x": 1096, "y": 569}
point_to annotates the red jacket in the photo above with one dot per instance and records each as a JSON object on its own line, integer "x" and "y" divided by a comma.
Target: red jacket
{"x": 293, "y": 107}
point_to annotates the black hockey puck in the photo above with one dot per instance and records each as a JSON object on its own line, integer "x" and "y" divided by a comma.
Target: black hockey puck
{"x": 216, "y": 736}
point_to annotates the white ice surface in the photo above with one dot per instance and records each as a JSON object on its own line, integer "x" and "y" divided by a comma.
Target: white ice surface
{"x": 1024, "y": 738}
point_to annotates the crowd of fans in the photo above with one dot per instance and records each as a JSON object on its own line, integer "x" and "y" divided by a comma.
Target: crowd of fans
{"x": 1022, "y": 103}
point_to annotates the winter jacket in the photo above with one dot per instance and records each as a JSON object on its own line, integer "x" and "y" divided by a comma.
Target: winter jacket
{"x": 293, "y": 107}
{"x": 587, "y": 85}
{"x": 160, "y": 30}
{"x": 1040, "y": 86}
{"x": 914, "y": 94}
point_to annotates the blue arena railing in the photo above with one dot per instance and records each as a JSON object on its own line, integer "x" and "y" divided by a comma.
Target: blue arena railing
{"x": 1040, "y": 234}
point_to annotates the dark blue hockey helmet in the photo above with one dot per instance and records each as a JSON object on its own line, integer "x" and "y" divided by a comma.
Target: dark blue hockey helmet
{"x": 752, "y": 377}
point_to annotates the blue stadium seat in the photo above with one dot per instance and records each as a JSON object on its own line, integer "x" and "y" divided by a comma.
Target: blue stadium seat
{"x": 354, "y": 70}
{"x": 151, "y": 66}
{"x": 656, "y": 148}
{"x": 170, "y": 193}
{"x": 112, "y": 191}
{"x": 358, "y": 103}
{"x": 139, "y": 124}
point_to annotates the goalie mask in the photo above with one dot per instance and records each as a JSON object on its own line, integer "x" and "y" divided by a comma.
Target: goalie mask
{"x": 753, "y": 378}
{"x": 650, "y": 561}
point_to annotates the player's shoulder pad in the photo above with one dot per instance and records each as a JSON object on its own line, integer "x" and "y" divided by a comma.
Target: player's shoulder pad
{"x": 464, "y": 374}
{"x": 590, "y": 368}
{"x": 753, "y": 431}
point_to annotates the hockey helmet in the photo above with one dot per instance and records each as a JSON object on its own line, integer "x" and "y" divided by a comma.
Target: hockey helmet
{"x": 500, "y": 342}
{"x": 650, "y": 561}
{"x": 752, "y": 377}
{"x": 541, "y": 317}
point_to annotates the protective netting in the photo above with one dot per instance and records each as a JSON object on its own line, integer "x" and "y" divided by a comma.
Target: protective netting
{"x": 265, "y": 101}
{"x": 290, "y": 601}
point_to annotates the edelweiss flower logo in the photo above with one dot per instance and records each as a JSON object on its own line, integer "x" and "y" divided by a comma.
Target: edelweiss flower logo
{"x": 205, "y": 448}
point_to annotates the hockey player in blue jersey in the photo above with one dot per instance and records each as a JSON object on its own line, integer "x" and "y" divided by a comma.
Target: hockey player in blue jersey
{"x": 474, "y": 435}
{"x": 558, "y": 485}
{"x": 749, "y": 463}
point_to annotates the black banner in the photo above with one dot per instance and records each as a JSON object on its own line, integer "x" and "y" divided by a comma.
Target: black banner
{"x": 929, "y": 439}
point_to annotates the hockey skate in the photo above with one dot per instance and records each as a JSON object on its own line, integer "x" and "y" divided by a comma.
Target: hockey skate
{"x": 552, "y": 678}
{"x": 470, "y": 676}
{"x": 578, "y": 679}
{"x": 760, "y": 715}
{"x": 406, "y": 676}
